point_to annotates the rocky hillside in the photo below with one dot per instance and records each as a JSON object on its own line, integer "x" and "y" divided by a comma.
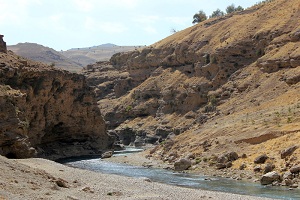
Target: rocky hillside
{"x": 90, "y": 55}
{"x": 47, "y": 112}
{"x": 46, "y": 55}
{"x": 226, "y": 84}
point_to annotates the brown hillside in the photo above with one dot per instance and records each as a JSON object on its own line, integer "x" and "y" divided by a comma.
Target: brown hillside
{"x": 46, "y": 55}
{"x": 91, "y": 55}
{"x": 226, "y": 84}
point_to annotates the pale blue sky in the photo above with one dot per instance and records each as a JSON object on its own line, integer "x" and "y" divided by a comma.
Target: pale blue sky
{"x": 65, "y": 24}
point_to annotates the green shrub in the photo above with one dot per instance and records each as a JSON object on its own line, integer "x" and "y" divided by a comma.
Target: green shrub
{"x": 128, "y": 108}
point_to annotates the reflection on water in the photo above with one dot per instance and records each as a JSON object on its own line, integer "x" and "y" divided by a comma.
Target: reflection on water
{"x": 187, "y": 180}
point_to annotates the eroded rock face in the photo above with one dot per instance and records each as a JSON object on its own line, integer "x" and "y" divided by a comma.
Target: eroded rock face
{"x": 47, "y": 112}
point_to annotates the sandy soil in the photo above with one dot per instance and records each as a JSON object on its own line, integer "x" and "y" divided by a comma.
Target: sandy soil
{"x": 43, "y": 179}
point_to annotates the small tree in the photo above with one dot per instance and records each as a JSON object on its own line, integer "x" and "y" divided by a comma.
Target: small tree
{"x": 217, "y": 13}
{"x": 199, "y": 17}
{"x": 239, "y": 8}
{"x": 231, "y": 8}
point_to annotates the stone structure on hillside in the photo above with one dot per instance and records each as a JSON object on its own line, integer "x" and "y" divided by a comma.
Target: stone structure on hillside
{"x": 2, "y": 44}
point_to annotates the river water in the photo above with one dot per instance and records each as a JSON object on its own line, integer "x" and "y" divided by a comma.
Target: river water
{"x": 184, "y": 179}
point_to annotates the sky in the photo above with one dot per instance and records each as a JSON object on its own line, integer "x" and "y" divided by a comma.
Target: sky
{"x": 66, "y": 24}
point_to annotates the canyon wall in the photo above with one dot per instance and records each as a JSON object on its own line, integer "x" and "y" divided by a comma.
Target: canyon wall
{"x": 47, "y": 112}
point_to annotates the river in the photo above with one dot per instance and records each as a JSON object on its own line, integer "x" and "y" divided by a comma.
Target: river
{"x": 184, "y": 179}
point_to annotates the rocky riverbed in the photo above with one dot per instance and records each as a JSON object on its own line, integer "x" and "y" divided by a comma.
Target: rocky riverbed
{"x": 211, "y": 167}
{"x": 43, "y": 179}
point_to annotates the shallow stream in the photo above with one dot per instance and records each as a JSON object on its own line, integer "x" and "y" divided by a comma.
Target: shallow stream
{"x": 184, "y": 179}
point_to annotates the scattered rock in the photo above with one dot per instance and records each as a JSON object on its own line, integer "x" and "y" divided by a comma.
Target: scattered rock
{"x": 287, "y": 182}
{"x": 228, "y": 164}
{"x": 295, "y": 169}
{"x": 225, "y": 160}
{"x": 294, "y": 186}
{"x": 261, "y": 159}
{"x": 287, "y": 175}
{"x": 107, "y": 154}
{"x": 87, "y": 189}
{"x": 231, "y": 156}
{"x": 114, "y": 193}
{"x": 182, "y": 164}
{"x": 287, "y": 152}
{"x": 220, "y": 165}
{"x": 257, "y": 169}
{"x": 191, "y": 156}
{"x": 269, "y": 178}
{"x": 268, "y": 168}
{"x": 62, "y": 183}
{"x": 146, "y": 179}
{"x": 242, "y": 166}
{"x": 244, "y": 155}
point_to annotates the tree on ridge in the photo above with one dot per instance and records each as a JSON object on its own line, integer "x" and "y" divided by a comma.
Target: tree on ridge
{"x": 199, "y": 17}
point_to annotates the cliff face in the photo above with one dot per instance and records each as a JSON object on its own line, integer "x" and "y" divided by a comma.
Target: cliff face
{"x": 226, "y": 83}
{"x": 47, "y": 112}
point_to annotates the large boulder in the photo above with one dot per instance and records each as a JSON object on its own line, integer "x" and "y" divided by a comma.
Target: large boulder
{"x": 269, "y": 178}
{"x": 182, "y": 164}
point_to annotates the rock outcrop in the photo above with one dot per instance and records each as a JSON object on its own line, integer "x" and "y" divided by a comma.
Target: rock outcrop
{"x": 47, "y": 112}
{"x": 3, "y": 48}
